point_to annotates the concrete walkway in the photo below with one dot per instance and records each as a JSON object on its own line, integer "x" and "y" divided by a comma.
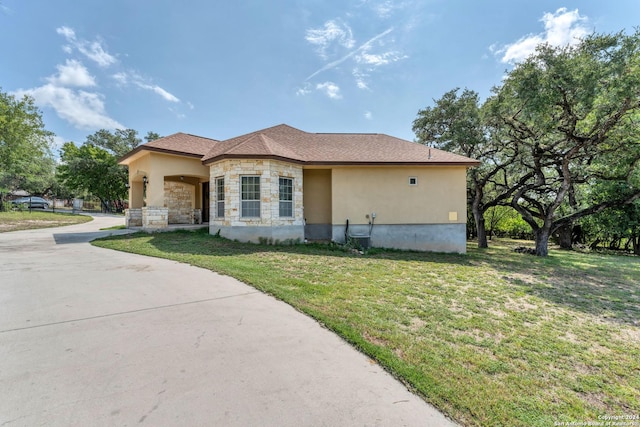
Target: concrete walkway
{"x": 90, "y": 336}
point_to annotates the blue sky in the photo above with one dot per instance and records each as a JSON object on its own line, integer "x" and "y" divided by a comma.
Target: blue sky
{"x": 224, "y": 68}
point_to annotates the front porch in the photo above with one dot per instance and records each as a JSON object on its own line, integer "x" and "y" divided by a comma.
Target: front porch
{"x": 167, "y": 193}
{"x": 157, "y": 218}
{"x": 171, "y": 227}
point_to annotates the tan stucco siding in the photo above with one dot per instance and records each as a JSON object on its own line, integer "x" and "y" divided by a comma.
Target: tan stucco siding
{"x": 269, "y": 172}
{"x": 440, "y": 191}
{"x": 317, "y": 196}
{"x": 137, "y": 169}
{"x": 156, "y": 166}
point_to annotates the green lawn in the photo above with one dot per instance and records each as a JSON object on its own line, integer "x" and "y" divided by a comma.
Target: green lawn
{"x": 490, "y": 338}
{"x": 28, "y": 220}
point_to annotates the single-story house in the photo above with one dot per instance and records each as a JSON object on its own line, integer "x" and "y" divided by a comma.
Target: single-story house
{"x": 284, "y": 184}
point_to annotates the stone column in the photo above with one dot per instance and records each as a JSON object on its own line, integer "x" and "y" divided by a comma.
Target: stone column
{"x": 133, "y": 218}
{"x": 155, "y": 217}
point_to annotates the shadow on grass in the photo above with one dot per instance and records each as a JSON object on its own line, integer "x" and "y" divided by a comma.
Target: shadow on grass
{"x": 604, "y": 286}
{"x": 200, "y": 242}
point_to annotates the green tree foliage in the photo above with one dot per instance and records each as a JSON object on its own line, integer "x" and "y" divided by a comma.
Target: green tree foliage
{"x": 93, "y": 167}
{"x": 117, "y": 143}
{"x": 571, "y": 110}
{"x": 504, "y": 221}
{"x": 456, "y": 123}
{"x": 26, "y": 161}
{"x": 564, "y": 121}
{"x": 616, "y": 228}
{"x": 152, "y": 136}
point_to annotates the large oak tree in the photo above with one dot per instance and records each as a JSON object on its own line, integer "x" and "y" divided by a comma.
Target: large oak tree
{"x": 573, "y": 111}
{"x": 563, "y": 123}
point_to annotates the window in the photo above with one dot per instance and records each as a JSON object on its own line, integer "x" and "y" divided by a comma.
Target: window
{"x": 286, "y": 197}
{"x": 413, "y": 180}
{"x": 250, "y": 196}
{"x": 220, "y": 197}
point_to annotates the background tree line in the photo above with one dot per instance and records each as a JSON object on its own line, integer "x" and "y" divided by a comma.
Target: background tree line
{"x": 558, "y": 141}
{"x": 27, "y": 161}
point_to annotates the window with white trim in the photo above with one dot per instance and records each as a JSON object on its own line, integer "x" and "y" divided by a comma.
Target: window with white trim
{"x": 250, "y": 197}
{"x": 219, "y": 197}
{"x": 286, "y": 197}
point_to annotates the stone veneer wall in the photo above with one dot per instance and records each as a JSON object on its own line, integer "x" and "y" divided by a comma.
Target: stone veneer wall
{"x": 269, "y": 171}
{"x": 133, "y": 218}
{"x": 179, "y": 198}
{"x": 154, "y": 217}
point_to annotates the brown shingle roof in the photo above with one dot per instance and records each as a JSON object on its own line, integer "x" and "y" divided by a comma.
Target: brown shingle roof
{"x": 179, "y": 143}
{"x": 287, "y": 143}
{"x": 290, "y": 144}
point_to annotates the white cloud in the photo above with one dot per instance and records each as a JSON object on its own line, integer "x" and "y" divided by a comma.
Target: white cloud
{"x": 330, "y": 89}
{"x": 561, "y": 28}
{"x": 333, "y": 32}
{"x": 380, "y": 58}
{"x": 72, "y": 73}
{"x": 67, "y": 32}
{"x": 85, "y": 110}
{"x": 368, "y": 115}
{"x": 363, "y": 47}
{"x": 92, "y": 50}
{"x": 126, "y": 78}
{"x": 384, "y": 9}
{"x": 361, "y": 79}
{"x": 179, "y": 115}
{"x": 121, "y": 78}
{"x": 304, "y": 90}
{"x": 58, "y": 142}
{"x": 157, "y": 89}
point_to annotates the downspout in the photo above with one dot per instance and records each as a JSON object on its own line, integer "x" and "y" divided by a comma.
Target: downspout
{"x": 346, "y": 232}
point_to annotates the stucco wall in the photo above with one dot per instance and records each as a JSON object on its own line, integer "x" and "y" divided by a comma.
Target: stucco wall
{"x": 317, "y": 196}
{"x": 417, "y": 237}
{"x": 157, "y": 166}
{"x": 440, "y": 194}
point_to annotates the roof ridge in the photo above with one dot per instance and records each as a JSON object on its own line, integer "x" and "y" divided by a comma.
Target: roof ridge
{"x": 279, "y": 147}
{"x": 255, "y": 132}
{"x": 198, "y": 136}
{"x": 348, "y": 133}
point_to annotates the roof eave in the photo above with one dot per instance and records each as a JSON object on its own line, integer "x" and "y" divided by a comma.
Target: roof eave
{"x": 121, "y": 160}
{"x": 356, "y": 163}
{"x": 336, "y": 163}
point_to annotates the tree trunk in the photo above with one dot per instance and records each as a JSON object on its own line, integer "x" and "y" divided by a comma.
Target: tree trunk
{"x": 565, "y": 236}
{"x": 542, "y": 240}
{"x": 480, "y": 227}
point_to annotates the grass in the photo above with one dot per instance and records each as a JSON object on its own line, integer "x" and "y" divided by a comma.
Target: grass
{"x": 29, "y": 220}
{"x": 490, "y": 338}
{"x": 115, "y": 227}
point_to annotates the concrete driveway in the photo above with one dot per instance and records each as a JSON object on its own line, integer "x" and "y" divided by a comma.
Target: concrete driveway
{"x": 90, "y": 336}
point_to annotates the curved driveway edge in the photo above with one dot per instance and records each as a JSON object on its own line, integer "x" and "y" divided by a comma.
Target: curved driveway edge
{"x": 90, "y": 336}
